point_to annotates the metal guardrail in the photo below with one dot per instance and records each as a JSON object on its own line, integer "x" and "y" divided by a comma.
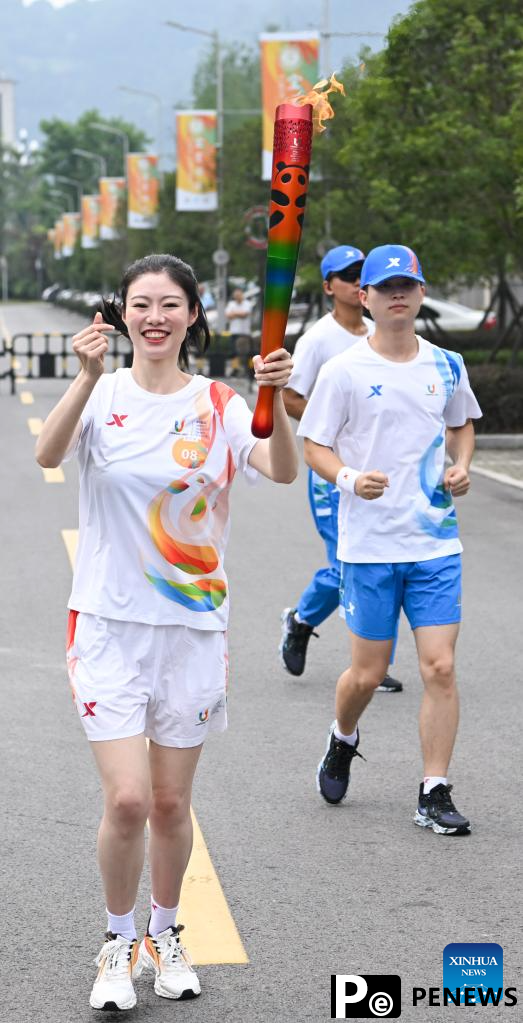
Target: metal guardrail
{"x": 49, "y": 354}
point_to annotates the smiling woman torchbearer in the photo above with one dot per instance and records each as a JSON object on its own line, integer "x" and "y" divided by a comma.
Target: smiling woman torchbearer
{"x": 158, "y": 449}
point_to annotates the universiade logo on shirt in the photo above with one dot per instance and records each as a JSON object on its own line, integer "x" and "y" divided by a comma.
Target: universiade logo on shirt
{"x": 475, "y": 969}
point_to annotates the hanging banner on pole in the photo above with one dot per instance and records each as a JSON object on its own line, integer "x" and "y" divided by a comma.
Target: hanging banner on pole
{"x": 289, "y": 67}
{"x": 58, "y": 238}
{"x": 143, "y": 195}
{"x": 111, "y": 191}
{"x": 196, "y": 160}
{"x": 71, "y": 230}
{"x": 90, "y": 221}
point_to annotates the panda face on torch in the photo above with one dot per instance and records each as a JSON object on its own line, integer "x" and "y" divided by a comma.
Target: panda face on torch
{"x": 288, "y": 198}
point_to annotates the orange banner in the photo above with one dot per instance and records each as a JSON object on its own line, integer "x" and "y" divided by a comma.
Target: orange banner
{"x": 90, "y": 221}
{"x": 143, "y": 194}
{"x": 58, "y": 238}
{"x": 71, "y": 227}
{"x": 111, "y": 191}
{"x": 289, "y": 67}
{"x": 196, "y": 160}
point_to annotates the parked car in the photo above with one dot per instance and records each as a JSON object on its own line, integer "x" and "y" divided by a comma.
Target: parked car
{"x": 453, "y": 317}
{"x": 49, "y": 293}
{"x": 435, "y": 315}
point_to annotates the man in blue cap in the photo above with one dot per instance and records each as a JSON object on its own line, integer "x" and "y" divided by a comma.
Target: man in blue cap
{"x": 376, "y": 424}
{"x": 333, "y": 334}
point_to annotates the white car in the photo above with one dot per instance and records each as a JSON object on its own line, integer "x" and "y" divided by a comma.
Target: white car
{"x": 453, "y": 317}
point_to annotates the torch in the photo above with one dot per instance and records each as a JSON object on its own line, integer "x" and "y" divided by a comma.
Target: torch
{"x": 290, "y": 178}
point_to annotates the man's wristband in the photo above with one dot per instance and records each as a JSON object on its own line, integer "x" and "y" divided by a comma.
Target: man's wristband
{"x": 346, "y": 478}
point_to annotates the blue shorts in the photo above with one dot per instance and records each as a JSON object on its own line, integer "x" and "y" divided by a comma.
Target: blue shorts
{"x": 374, "y": 594}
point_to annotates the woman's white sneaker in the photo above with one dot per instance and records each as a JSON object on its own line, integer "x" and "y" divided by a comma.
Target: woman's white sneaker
{"x": 165, "y": 954}
{"x": 113, "y": 987}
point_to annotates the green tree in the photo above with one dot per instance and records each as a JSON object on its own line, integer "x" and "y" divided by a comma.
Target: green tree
{"x": 431, "y": 136}
{"x": 62, "y": 137}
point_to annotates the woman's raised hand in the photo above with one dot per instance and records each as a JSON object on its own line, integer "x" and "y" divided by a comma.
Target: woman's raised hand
{"x": 274, "y": 370}
{"x": 90, "y": 345}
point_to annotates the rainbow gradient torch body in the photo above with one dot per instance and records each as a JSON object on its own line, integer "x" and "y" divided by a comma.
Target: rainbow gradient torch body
{"x": 289, "y": 184}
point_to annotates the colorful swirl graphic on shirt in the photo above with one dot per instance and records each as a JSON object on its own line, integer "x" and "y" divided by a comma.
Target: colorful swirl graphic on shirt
{"x": 200, "y": 510}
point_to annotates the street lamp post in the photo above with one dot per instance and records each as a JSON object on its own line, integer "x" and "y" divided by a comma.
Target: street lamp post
{"x": 157, "y": 99}
{"x": 77, "y": 185}
{"x": 59, "y": 191}
{"x": 87, "y": 155}
{"x": 121, "y": 134}
{"x": 326, "y": 70}
{"x": 221, "y": 256}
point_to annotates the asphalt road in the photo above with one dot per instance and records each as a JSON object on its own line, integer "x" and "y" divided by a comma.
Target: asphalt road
{"x": 314, "y": 890}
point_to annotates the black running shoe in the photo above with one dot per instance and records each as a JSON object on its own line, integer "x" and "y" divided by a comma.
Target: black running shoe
{"x": 334, "y": 770}
{"x": 390, "y": 685}
{"x": 437, "y": 811}
{"x": 294, "y": 640}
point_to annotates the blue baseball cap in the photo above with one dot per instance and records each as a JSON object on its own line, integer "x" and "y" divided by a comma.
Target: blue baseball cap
{"x": 339, "y": 259}
{"x": 391, "y": 261}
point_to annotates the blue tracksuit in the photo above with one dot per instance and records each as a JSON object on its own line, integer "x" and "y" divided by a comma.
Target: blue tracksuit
{"x": 322, "y": 595}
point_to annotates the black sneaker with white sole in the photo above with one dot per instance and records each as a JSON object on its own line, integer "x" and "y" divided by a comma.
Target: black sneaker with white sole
{"x": 333, "y": 775}
{"x": 295, "y": 637}
{"x": 437, "y": 811}
{"x": 390, "y": 685}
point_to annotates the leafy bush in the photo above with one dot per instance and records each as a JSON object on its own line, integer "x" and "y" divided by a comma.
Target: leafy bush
{"x": 500, "y": 394}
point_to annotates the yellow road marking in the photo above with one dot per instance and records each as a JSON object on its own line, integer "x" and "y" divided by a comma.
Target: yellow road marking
{"x": 53, "y": 475}
{"x": 212, "y": 935}
{"x": 70, "y": 538}
{"x": 26, "y": 398}
{"x": 35, "y": 426}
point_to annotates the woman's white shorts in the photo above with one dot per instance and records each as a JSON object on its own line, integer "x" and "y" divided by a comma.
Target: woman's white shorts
{"x": 168, "y": 681}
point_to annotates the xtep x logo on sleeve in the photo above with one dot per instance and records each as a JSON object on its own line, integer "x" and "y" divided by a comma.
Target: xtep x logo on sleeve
{"x": 375, "y": 389}
{"x": 117, "y": 420}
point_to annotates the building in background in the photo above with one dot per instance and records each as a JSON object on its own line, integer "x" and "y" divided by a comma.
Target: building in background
{"x": 7, "y": 112}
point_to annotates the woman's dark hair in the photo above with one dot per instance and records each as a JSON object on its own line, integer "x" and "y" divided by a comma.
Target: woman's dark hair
{"x": 198, "y": 335}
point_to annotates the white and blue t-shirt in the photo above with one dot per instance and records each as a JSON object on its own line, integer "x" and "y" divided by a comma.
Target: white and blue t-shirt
{"x": 391, "y": 416}
{"x": 321, "y": 342}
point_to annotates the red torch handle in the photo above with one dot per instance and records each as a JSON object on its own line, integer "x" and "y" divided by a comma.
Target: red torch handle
{"x": 263, "y": 419}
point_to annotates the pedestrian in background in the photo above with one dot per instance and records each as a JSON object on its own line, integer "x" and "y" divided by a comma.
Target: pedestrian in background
{"x": 158, "y": 450}
{"x": 239, "y": 314}
{"x": 334, "y": 333}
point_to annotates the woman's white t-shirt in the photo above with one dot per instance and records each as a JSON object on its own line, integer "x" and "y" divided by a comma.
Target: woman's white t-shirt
{"x": 155, "y": 475}
{"x": 391, "y": 416}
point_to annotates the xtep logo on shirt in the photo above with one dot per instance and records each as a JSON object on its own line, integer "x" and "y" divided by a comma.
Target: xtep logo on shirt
{"x": 375, "y": 389}
{"x": 351, "y": 608}
{"x": 89, "y": 710}
{"x": 117, "y": 420}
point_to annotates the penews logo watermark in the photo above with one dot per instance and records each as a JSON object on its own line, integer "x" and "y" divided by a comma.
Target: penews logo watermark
{"x": 365, "y": 996}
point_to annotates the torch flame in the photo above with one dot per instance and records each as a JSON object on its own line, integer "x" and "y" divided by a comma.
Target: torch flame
{"x": 321, "y": 108}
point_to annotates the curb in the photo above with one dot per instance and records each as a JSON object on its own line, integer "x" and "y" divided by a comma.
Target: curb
{"x": 498, "y": 477}
{"x": 501, "y": 441}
